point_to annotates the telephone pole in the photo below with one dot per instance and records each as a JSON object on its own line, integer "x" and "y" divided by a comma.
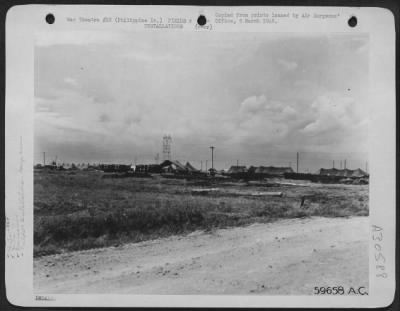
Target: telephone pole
{"x": 333, "y": 164}
{"x": 297, "y": 169}
{"x": 345, "y": 164}
{"x": 44, "y": 158}
{"x": 201, "y": 166}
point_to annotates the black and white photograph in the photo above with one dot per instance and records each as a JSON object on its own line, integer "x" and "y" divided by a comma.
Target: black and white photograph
{"x": 209, "y": 161}
{"x": 229, "y": 164}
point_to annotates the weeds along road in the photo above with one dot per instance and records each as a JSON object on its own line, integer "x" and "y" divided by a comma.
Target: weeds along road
{"x": 283, "y": 257}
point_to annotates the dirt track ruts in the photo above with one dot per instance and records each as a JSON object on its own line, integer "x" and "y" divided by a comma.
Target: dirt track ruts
{"x": 283, "y": 257}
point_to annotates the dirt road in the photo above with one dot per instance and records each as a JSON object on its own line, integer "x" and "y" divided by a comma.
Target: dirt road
{"x": 284, "y": 257}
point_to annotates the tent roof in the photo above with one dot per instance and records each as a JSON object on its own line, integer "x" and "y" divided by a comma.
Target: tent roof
{"x": 237, "y": 169}
{"x": 177, "y": 164}
{"x": 272, "y": 170}
{"x": 190, "y": 167}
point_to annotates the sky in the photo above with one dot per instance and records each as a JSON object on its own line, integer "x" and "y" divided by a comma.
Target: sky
{"x": 259, "y": 98}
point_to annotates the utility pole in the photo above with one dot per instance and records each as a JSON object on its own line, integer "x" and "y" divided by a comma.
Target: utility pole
{"x": 44, "y": 158}
{"x": 201, "y": 166}
{"x": 297, "y": 163}
{"x": 290, "y": 164}
{"x": 333, "y": 164}
{"x": 212, "y": 157}
{"x": 206, "y": 164}
{"x": 345, "y": 164}
{"x": 341, "y": 164}
{"x": 366, "y": 166}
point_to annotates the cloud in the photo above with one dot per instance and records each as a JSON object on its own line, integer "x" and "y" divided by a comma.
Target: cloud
{"x": 332, "y": 113}
{"x": 253, "y": 104}
{"x": 289, "y": 112}
{"x": 262, "y": 121}
{"x": 129, "y": 120}
{"x": 104, "y": 118}
{"x": 70, "y": 81}
{"x": 287, "y": 65}
{"x": 261, "y": 95}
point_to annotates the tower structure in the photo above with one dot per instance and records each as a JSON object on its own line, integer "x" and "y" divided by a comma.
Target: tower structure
{"x": 167, "y": 140}
{"x": 212, "y": 156}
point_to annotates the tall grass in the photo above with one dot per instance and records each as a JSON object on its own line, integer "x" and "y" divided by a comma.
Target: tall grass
{"x": 83, "y": 210}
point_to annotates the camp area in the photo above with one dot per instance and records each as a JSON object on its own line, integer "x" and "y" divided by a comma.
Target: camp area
{"x": 80, "y": 209}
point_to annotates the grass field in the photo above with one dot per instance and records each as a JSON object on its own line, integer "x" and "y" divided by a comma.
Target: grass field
{"x": 75, "y": 210}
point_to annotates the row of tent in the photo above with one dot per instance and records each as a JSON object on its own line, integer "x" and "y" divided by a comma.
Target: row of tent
{"x": 281, "y": 171}
{"x": 174, "y": 166}
{"x": 65, "y": 166}
{"x": 169, "y": 166}
{"x": 357, "y": 173}
{"x": 259, "y": 170}
{"x": 166, "y": 166}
